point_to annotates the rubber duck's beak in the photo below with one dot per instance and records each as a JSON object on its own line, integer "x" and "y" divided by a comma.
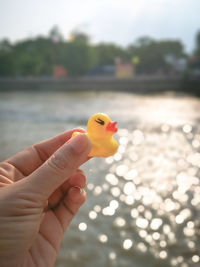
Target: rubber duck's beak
{"x": 112, "y": 126}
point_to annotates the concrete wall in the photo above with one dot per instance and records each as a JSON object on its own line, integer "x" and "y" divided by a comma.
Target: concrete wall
{"x": 137, "y": 85}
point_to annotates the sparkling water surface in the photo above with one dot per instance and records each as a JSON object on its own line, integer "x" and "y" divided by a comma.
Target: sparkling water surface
{"x": 143, "y": 203}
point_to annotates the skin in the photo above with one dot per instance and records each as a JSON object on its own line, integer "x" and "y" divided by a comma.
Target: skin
{"x": 40, "y": 193}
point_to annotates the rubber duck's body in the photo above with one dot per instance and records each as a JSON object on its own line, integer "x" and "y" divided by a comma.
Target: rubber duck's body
{"x": 100, "y": 132}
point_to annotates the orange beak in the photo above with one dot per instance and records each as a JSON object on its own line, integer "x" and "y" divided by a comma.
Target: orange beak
{"x": 111, "y": 127}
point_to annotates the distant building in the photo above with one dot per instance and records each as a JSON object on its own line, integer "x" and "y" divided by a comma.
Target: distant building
{"x": 123, "y": 70}
{"x": 178, "y": 65}
{"x": 59, "y": 71}
{"x": 102, "y": 71}
{"x": 194, "y": 70}
{"x": 195, "y": 61}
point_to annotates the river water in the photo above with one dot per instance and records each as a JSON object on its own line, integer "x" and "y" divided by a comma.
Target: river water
{"x": 143, "y": 204}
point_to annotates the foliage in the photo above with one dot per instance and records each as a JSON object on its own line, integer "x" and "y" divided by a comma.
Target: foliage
{"x": 194, "y": 61}
{"x": 197, "y": 45}
{"x": 38, "y": 57}
{"x": 152, "y": 54}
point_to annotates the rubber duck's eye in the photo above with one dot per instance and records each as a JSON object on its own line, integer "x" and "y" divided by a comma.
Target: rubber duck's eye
{"x": 100, "y": 121}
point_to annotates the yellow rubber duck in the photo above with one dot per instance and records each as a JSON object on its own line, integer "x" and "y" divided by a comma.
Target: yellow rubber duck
{"x": 100, "y": 132}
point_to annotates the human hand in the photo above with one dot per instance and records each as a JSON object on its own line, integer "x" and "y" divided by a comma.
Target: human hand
{"x": 40, "y": 193}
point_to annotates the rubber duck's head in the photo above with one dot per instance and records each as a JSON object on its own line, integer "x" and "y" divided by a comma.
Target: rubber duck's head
{"x": 100, "y": 125}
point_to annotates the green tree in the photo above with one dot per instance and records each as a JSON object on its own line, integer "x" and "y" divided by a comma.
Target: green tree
{"x": 77, "y": 55}
{"x": 152, "y": 54}
{"x": 80, "y": 37}
{"x": 55, "y": 34}
{"x": 6, "y": 59}
{"x": 76, "y": 58}
{"x": 106, "y": 53}
{"x": 38, "y": 56}
{"x": 197, "y": 44}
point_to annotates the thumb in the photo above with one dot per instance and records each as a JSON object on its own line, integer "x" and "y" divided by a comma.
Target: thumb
{"x": 60, "y": 166}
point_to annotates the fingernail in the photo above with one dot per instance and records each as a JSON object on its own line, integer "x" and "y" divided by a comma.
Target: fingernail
{"x": 80, "y": 128}
{"x": 81, "y": 190}
{"x": 80, "y": 142}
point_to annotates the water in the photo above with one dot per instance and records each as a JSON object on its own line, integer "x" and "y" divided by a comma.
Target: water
{"x": 143, "y": 204}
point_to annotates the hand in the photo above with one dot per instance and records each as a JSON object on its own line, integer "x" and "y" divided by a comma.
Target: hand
{"x": 40, "y": 193}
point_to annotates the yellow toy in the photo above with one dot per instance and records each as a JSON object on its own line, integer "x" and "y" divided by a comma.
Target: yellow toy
{"x": 100, "y": 131}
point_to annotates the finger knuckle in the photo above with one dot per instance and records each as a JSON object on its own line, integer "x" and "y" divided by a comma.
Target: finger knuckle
{"x": 58, "y": 163}
{"x": 79, "y": 171}
{"x": 62, "y": 161}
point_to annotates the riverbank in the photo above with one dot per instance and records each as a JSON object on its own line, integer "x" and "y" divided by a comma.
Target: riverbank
{"x": 135, "y": 85}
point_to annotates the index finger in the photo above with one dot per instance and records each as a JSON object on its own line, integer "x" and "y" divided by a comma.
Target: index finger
{"x": 34, "y": 156}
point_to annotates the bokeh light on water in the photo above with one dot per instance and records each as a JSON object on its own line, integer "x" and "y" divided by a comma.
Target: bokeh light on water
{"x": 151, "y": 198}
{"x": 143, "y": 203}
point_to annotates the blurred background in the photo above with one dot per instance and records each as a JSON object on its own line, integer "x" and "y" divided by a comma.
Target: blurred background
{"x": 139, "y": 62}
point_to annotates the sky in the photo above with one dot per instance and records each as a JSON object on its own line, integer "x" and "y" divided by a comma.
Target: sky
{"x": 118, "y": 21}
